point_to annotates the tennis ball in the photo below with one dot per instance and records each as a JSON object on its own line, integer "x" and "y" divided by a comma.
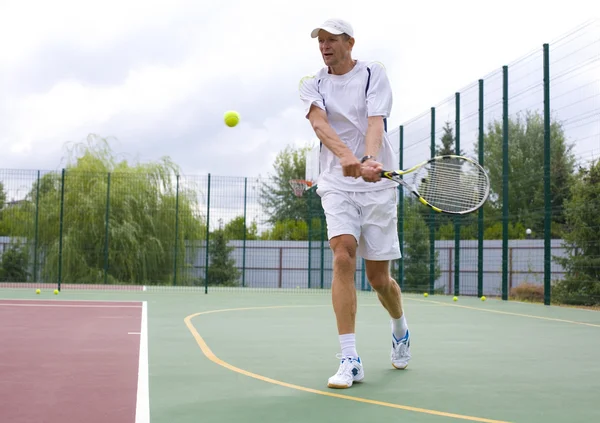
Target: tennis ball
{"x": 483, "y": 298}
{"x": 56, "y": 292}
{"x": 455, "y": 299}
{"x": 426, "y": 294}
{"x": 231, "y": 118}
{"x": 37, "y": 291}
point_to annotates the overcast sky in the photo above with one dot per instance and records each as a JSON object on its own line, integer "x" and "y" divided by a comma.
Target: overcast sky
{"x": 157, "y": 76}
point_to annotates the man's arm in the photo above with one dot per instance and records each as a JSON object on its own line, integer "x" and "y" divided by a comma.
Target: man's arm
{"x": 318, "y": 120}
{"x": 379, "y": 104}
{"x": 371, "y": 169}
{"x": 374, "y": 136}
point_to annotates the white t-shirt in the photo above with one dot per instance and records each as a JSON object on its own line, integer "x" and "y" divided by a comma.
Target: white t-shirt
{"x": 349, "y": 100}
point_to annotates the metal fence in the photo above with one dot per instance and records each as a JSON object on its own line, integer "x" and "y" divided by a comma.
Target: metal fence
{"x": 534, "y": 124}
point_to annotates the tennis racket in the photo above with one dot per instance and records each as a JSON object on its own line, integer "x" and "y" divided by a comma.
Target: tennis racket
{"x": 449, "y": 184}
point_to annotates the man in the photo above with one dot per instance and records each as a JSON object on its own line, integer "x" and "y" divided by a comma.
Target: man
{"x": 347, "y": 103}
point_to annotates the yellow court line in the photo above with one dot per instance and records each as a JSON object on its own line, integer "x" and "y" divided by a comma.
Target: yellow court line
{"x": 212, "y": 357}
{"x": 510, "y": 313}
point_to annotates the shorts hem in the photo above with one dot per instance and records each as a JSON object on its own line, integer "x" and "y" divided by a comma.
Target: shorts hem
{"x": 331, "y": 235}
{"x": 381, "y": 257}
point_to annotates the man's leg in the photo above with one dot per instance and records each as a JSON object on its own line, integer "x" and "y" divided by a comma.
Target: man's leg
{"x": 343, "y": 229}
{"x": 379, "y": 244}
{"x": 390, "y": 296}
{"x": 343, "y": 292}
{"x": 385, "y": 286}
{"x": 343, "y": 296}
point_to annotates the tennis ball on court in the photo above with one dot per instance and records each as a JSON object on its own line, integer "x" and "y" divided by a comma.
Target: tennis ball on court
{"x": 56, "y": 292}
{"x": 483, "y": 298}
{"x": 37, "y": 291}
{"x": 455, "y": 299}
{"x": 426, "y": 294}
{"x": 231, "y": 118}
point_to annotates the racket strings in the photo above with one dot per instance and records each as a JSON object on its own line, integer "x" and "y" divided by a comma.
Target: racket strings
{"x": 452, "y": 185}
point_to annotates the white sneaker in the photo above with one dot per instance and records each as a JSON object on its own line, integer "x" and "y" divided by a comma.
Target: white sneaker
{"x": 350, "y": 371}
{"x": 400, "y": 351}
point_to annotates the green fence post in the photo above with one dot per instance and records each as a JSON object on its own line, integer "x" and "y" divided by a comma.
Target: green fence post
{"x": 310, "y": 232}
{"x": 37, "y": 215}
{"x": 60, "y": 228}
{"x": 363, "y": 277}
{"x": 401, "y": 212}
{"x": 547, "y": 194}
{"x": 457, "y": 218}
{"x": 175, "y": 250}
{"x": 432, "y": 216}
{"x": 480, "y": 212}
{"x": 505, "y": 183}
{"x": 207, "y": 235}
{"x": 245, "y": 230}
{"x": 322, "y": 265}
{"x": 106, "y": 229}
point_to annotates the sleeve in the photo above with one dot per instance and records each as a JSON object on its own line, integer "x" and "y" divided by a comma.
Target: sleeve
{"x": 379, "y": 92}
{"x": 309, "y": 94}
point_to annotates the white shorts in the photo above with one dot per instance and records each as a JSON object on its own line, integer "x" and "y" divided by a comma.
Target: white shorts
{"x": 371, "y": 217}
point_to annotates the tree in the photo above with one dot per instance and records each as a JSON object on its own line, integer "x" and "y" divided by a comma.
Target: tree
{"x": 276, "y": 195}
{"x": 235, "y": 229}
{"x": 416, "y": 253}
{"x": 141, "y": 220}
{"x": 3, "y": 226}
{"x": 525, "y": 170}
{"x": 13, "y": 264}
{"x": 447, "y": 141}
{"x": 295, "y": 230}
{"x": 2, "y": 196}
{"x": 581, "y": 283}
{"x": 221, "y": 270}
{"x": 443, "y": 223}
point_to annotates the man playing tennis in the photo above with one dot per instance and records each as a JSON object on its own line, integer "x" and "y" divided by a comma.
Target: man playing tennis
{"x": 347, "y": 103}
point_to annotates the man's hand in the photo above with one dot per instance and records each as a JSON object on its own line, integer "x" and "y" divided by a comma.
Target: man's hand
{"x": 351, "y": 166}
{"x": 371, "y": 171}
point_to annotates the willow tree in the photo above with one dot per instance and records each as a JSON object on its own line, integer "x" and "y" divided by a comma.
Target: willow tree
{"x": 118, "y": 221}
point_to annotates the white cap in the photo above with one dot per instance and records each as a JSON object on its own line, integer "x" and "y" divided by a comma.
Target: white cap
{"x": 335, "y": 27}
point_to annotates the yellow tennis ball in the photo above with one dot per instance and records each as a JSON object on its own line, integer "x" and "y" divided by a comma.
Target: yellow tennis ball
{"x": 455, "y": 299}
{"x": 37, "y": 291}
{"x": 426, "y": 294}
{"x": 56, "y": 292}
{"x": 483, "y": 298}
{"x": 231, "y": 118}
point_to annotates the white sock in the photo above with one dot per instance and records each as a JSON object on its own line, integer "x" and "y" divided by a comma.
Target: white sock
{"x": 348, "y": 344}
{"x": 399, "y": 327}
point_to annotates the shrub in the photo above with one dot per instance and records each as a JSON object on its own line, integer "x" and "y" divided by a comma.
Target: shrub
{"x": 528, "y": 292}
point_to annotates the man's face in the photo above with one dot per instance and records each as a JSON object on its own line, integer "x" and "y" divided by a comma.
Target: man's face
{"x": 335, "y": 49}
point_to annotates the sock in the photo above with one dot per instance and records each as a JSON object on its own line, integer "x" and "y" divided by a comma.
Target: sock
{"x": 399, "y": 327}
{"x": 348, "y": 344}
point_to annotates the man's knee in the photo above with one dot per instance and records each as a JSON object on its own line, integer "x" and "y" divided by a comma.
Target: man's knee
{"x": 344, "y": 249}
{"x": 378, "y": 275}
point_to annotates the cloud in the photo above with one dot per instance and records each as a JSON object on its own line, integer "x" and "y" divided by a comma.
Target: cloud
{"x": 157, "y": 76}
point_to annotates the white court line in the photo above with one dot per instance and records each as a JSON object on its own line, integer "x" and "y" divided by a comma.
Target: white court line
{"x": 134, "y": 333}
{"x": 142, "y": 410}
{"x": 68, "y": 305}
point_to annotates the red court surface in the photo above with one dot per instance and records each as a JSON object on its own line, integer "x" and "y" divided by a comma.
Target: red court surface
{"x": 69, "y": 361}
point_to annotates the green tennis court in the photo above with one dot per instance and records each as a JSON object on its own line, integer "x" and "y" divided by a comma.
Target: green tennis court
{"x": 230, "y": 356}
